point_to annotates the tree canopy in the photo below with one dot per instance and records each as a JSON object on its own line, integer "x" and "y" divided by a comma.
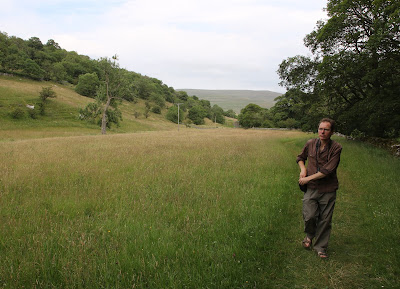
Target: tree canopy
{"x": 353, "y": 74}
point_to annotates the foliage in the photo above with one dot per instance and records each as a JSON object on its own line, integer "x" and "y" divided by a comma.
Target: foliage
{"x": 172, "y": 114}
{"x": 111, "y": 91}
{"x": 44, "y": 95}
{"x": 354, "y": 74}
{"x": 197, "y": 114}
{"x": 146, "y": 112}
{"x": 156, "y": 109}
{"x": 18, "y": 113}
{"x": 230, "y": 113}
{"x": 251, "y": 116}
{"x": 47, "y": 92}
{"x": 87, "y": 84}
{"x": 37, "y": 60}
{"x": 92, "y": 112}
{"x": 217, "y": 114}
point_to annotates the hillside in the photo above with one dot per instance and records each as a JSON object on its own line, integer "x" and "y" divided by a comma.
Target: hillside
{"x": 235, "y": 99}
{"x": 62, "y": 113}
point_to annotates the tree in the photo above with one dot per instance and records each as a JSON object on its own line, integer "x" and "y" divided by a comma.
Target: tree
{"x": 111, "y": 91}
{"x": 109, "y": 94}
{"x": 172, "y": 114}
{"x": 197, "y": 114}
{"x": 217, "y": 114}
{"x": 32, "y": 69}
{"x": 354, "y": 74}
{"x": 92, "y": 112}
{"x": 88, "y": 84}
{"x": 46, "y": 93}
{"x": 230, "y": 113}
{"x": 251, "y": 116}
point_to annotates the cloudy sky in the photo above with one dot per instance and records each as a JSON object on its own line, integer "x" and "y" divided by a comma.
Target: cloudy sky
{"x": 203, "y": 44}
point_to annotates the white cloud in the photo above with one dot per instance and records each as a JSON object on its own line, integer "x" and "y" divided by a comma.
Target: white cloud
{"x": 185, "y": 43}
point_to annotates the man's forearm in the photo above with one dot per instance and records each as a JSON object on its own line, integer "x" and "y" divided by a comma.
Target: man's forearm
{"x": 316, "y": 176}
{"x": 303, "y": 170}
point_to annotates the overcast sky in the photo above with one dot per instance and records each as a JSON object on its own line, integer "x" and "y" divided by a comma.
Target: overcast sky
{"x": 202, "y": 44}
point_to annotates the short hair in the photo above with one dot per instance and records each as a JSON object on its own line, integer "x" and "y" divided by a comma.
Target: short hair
{"x": 331, "y": 121}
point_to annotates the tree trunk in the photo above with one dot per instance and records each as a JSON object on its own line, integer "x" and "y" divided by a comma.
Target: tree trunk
{"x": 104, "y": 118}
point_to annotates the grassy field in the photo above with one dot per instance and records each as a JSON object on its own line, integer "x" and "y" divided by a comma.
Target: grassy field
{"x": 190, "y": 209}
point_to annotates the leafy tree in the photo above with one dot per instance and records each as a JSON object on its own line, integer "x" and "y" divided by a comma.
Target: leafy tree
{"x": 230, "y": 113}
{"x": 251, "y": 116}
{"x": 92, "y": 112}
{"x": 354, "y": 74}
{"x": 217, "y": 114}
{"x": 197, "y": 114}
{"x": 58, "y": 72}
{"x": 108, "y": 95}
{"x": 110, "y": 92}
{"x": 172, "y": 114}
{"x": 32, "y": 69}
{"x": 47, "y": 92}
{"x": 157, "y": 99}
{"x": 143, "y": 87}
{"x": 182, "y": 95}
{"x": 88, "y": 84}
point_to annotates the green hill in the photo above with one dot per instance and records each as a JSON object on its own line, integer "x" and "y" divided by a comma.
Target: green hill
{"x": 235, "y": 99}
{"x": 62, "y": 113}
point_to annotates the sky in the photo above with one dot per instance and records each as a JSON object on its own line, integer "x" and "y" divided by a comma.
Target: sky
{"x": 198, "y": 44}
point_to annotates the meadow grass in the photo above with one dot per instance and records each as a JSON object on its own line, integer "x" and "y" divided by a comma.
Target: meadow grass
{"x": 188, "y": 209}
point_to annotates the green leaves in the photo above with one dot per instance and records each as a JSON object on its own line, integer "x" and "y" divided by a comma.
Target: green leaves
{"x": 354, "y": 74}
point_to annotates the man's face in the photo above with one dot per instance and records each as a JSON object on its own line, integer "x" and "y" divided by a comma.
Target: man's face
{"x": 324, "y": 131}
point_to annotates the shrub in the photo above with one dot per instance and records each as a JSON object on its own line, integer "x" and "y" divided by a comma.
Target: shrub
{"x": 156, "y": 109}
{"x": 33, "y": 113}
{"x": 88, "y": 84}
{"x": 356, "y": 134}
{"x": 18, "y": 113}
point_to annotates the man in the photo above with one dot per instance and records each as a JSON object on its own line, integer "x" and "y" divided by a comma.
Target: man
{"x": 323, "y": 155}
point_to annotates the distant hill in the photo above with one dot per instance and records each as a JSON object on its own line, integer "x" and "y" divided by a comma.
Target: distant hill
{"x": 235, "y": 99}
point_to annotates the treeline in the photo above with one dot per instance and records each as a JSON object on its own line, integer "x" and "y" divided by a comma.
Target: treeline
{"x": 352, "y": 76}
{"x": 33, "y": 59}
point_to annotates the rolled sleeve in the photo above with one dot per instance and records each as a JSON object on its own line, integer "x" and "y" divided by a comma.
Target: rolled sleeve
{"x": 304, "y": 153}
{"x": 333, "y": 162}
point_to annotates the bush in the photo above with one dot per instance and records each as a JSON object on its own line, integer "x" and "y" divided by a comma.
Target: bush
{"x": 156, "y": 109}
{"x": 47, "y": 92}
{"x": 172, "y": 114}
{"x": 18, "y": 113}
{"x": 88, "y": 84}
{"x": 33, "y": 113}
{"x": 356, "y": 134}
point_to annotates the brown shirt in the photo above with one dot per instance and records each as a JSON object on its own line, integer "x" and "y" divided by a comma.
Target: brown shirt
{"x": 328, "y": 161}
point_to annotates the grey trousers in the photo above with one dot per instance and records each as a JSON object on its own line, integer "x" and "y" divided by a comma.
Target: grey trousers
{"x": 317, "y": 216}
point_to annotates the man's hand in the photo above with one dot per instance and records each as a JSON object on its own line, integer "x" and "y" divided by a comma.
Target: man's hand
{"x": 303, "y": 180}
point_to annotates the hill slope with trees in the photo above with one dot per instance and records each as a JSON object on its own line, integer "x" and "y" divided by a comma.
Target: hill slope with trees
{"x": 236, "y": 99}
{"x": 102, "y": 80}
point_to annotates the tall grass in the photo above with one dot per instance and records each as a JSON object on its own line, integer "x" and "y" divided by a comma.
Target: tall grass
{"x": 188, "y": 209}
